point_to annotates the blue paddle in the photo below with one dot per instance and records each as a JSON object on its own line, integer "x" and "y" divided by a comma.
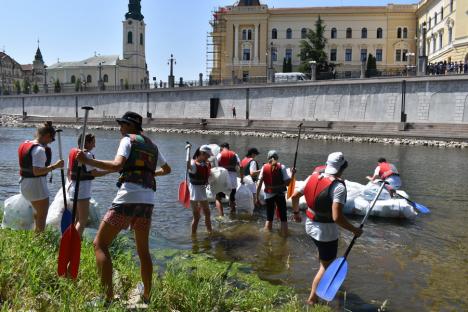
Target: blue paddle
{"x": 421, "y": 208}
{"x": 336, "y": 272}
{"x": 67, "y": 216}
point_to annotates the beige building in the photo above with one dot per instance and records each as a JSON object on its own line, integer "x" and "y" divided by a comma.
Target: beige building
{"x": 445, "y": 26}
{"x": 109, "y": 70}
{"x": 249, "y": 38}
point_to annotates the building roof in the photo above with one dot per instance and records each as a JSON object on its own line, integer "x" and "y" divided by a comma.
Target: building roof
{"x": 346, "y": 9}
{"x": 38, "y": 56}
{"x": 5, "y": 57}
{"x": 134, "y": 10}
{"x": 94, "y": 61}
{"x": 248, "y": 3}
{"x": 27, "y": 67}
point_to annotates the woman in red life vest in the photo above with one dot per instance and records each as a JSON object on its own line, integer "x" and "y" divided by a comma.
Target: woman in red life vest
{"x": 87, "y": 174}
{"x": 35, "y": 163}
{"x": 326, "y": 196}
{"x": 139, "y": 161}
{"x": 249, "y": 167}
{"x": 230, "y": 161}
{"x": 199, "y": 169}
{"x": 275, "y": 177}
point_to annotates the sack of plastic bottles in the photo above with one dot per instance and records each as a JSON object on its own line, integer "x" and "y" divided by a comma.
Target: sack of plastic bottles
{"x": 17, "y": 214}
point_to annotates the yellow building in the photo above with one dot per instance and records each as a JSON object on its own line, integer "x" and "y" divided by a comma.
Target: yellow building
{"x": 249, "y": 38}
{"x": 444, "y": 26}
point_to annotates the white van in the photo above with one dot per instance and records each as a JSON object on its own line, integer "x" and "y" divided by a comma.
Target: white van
{"x": 289, "y": 77}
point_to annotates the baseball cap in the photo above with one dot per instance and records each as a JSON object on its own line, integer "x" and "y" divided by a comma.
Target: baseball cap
{"x": 131, "y": 118}
{"x": 272, "y": 154}
{"x": 335, "y": 162}
{"x": 206, "y": 149}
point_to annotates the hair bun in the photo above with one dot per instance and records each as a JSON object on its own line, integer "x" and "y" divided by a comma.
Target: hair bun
{"x": 48, "y": 124}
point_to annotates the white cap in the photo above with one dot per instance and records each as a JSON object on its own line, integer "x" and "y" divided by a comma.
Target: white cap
{"x": 334, "y": 163}
{"x": 206, "y": 149}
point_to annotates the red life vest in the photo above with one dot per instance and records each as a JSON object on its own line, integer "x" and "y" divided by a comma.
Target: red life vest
{"x": 201, "y": 176}
{"x": 85, "y": 175}
{"x": 273, "y": 178}
{"x": 25, "y": 158}
{"x": 141, "y": 164}
{"x": 387, "y": 170}
{"x": 228, "y": 160}
{"x": 318, "y": 197}
{"x": 319, "y": 169}
{"x": 245, "y": 165}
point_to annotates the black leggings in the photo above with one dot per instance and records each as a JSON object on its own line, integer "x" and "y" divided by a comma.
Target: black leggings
{"x": 279, "y": 200}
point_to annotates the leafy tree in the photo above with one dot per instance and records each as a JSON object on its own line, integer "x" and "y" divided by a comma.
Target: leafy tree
{"x": 26, "y": 86}
{"x": 371, "y": 66}
{"x": 126, "y": 85}
{"x": 35, "y": 88}
{"x": 77, "y": 84}
{"x": 313, "y": 48}
{"x": 17, "y": 86}
{"x": 57, "y": 86}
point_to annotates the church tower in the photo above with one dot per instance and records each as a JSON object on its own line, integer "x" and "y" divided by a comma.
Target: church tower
{"x": 134, "y": 40}
{"x": 38, "y": 67}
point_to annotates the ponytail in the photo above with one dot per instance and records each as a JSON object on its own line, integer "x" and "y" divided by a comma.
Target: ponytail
{"x": 45, "y": 129}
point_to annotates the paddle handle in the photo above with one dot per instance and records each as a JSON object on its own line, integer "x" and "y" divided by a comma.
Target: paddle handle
{"x": 297, "y": 145}
{"x": 365, "y": 218}
{"x": 187, "y": 159}
{"x": 62, "y": 173}
{"x": 78, "y": 171}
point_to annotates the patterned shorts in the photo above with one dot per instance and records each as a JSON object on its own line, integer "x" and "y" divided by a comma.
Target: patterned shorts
{"x": 121, "y": 216}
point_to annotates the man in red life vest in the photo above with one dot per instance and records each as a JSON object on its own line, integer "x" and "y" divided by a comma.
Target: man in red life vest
{"x": 230, "y": 161}
{"x": 326, "y": 196}
{"x": 387, "y": 172}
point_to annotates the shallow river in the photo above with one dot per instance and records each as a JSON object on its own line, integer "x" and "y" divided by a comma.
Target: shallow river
{"x": 418, "y": 265}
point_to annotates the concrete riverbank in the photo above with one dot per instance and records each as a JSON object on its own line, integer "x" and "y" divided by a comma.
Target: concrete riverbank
{"x": 238, "y": 129}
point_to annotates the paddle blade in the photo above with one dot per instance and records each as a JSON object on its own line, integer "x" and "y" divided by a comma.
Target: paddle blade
{"x": 182, "y": 191}
{"x": 75, "y": 253}
{"x": 421, "y": 208}
{"x": 64, "y": 252}
{"x": 187, "y": 197}
{"x": 66, "y": 220}
{"x": 332, "y": 279}
{"x": 291, "y": 187}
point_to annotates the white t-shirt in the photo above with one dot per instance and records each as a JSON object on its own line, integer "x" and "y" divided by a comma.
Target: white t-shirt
{"x": 85, "y": 186}
{"x": 34, "y": 189}
{"x": 39, "y": 156}
{"x": 286, "y": 177}
{"x": 393, "y": 180}
{"x": 197, "y": 192}
{"x": 325, "y": 232}
{"x": 232, "y": 174}
{"x": 131, "y": 193}
{"x": 253, "y": 166}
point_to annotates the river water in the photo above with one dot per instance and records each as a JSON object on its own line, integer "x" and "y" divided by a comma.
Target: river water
{"x": 418, "y": 265}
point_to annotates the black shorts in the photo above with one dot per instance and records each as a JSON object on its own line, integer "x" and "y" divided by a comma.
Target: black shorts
{"x": 279, "y": 201}
{"x": 232, "y": 196}
{"x": 327, "y": 250}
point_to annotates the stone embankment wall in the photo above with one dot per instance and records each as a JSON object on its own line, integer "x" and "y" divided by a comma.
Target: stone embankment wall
{"x": 427, "y": 100}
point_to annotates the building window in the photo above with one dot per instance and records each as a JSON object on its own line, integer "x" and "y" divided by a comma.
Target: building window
{"x": 405, "y": 33}
{"x": 333, "y": 55}
{"x": 73, "y": 79}
{"x": 244, "y": 34}
{"x": 289, "y": 33}
{"x": 288, "y": 54}
{"x": 303, "y": 33}
{"x": 398, "y": 55}
{"x": 274, "y": 54}
{"x": 274, "y": 33}
{"x": 399, "y": 32}
{"x": 434, "y": 44}
{"x": 246, "y": 54}
{"x": 249, "y": 34}
{"x": 442, "y": 13}
{"x": 333, "y": 33}
{"x": 106, "y": 78}
{"x": 435, "y": 18}
{"x": 130, "y": 37}
{"x": 450, "y": 34}
{"x": 363, "y": 55}
{"x": 405, "y": 55}
{"x": 364, "y": 33}
{"x": 141, "y": 39}
{"x": 349, "y": 33}
{"x": 89, "y": 79}
{"x": 441, "y": 40}
{"x": 348, "y": 55}
{"x": 379, "y": 33}
{"x": 378, "y": 55}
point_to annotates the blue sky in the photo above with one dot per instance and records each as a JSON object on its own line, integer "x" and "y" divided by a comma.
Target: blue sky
{"x": 73, "y": 30}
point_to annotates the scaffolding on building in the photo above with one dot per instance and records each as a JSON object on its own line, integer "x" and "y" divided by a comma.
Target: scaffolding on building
{"x": 216, "y": 45}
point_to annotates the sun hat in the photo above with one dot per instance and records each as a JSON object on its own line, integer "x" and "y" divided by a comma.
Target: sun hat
{"x": 272, "y": 154}
{"x": 206, "y": 149}
{"x": 131, "y": 118}
{"x": 335, "y": 162}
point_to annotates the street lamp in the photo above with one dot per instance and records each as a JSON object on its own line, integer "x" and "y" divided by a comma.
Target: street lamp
{"x": 272, "y": 71}
{"x": 171, "y": 62}
{"x": 409, "y": 55}
{"x": 313, "y": 70}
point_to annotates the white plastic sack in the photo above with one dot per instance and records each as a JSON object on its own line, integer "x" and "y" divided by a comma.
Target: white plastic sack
{"x": 249, "y": 183}
{"x": 94, "y": 219}
{"x": 302, "y": 200}
{"x": 389, "y": 208}
{"x": 18, "y": 213}
{"x": 244, "y": 199}
{"x": 212, "y": 196}
{"x": 370, "y": 191}
{"x": 56, "y": 209}
{"x": 215, "y": 149}
{"x": 219, "y": 181}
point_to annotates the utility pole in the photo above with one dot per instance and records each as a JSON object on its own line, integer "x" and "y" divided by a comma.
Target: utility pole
{"x": 171, "y": 63}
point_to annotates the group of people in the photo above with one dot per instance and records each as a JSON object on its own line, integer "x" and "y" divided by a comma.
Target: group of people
{"x": 140, "y": 161}
{"x": 447, "y": 68}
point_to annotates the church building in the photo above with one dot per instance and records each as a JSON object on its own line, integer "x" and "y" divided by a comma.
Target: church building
{"x": 104, "y": 71}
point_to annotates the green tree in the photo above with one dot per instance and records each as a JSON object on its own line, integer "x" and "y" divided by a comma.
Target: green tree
{"x": 57, "y": 86}
{"x": 126, "y": 86}
{"x": 313, "y": 48}
{"x": 17, "y": 86}
{"x": 35, "y": 88}
{"x": 77, "y": 84}
{"x": 371, "y": 66}
{"x": 26, "y": 86}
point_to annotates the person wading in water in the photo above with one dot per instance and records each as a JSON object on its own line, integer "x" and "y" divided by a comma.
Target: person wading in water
{"x": 137, "y": 159}
{"x": 35, "y": 163}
